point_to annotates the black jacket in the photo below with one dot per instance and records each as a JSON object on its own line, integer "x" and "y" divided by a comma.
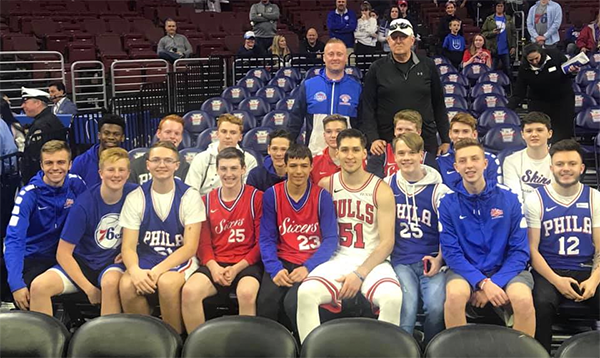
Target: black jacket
{"x": 386, "y": 90}
{"x": 256, "y": 51}
{"x": 305, "y": 47}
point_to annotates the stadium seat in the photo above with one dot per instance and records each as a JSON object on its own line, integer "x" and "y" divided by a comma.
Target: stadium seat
{"x": 595, "y": 60}
{"x": 454, "y": 88}
{"x": 498, "y": 77}
{"x": 137, "y": 152}
{"x": 186, "y": 140}
{"x": 312, "y": 72}
{"x": 487, "y": 101}
{"x": 501, "y": 156}
{"x": 503, "y": 136}
{"x": 446, "y": 68}
{"x": 272, "y": 93}
{"x": 487, "y": 88}
{"x": 455, "y": 78}
{"x": 494, "y": 116}
{"x": 125, "y": 335}
{"x": 587, "y": 76}
{"x": 32, "y": 334}
{"x": 278, "y": 119}
{"x": 587, "y": 121}
{"x": 473, "y": 71}
{"x": 439, "y": 60}
{"x": 290, "y": 72}
{"x": 261, "y": 73}
{"x": 482, "y": 340}
{"x": 582, "y": 345}
{"x": 286, "y": 103}
{"x": 576, "y": 87}
{"x": 254, "y": 337}
{"x": 190, "y": 153}
{"x": 247, "y": 118}
{"x": 285, "y": 83}
{"x": 593, "y": 89}
{"x": 455, "y": 101}
{"x": 251, "y": 84}
{"x": 354, "y": 71}
{"x": 295, "y": 91}
{"x": 257, "y": 106}
{"x": 583, "y": 101}
{"x": 235, "y": 94}
{"x": 256, "y": 140}
{"x": 452, "y": 111}
{"x": 205, "y": 138}
{"x": 216, "y": 106}
{"x": 197, "y": 121}
{"x": 359, "y": 337}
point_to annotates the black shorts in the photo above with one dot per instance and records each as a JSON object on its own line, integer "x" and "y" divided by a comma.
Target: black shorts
{"x": 33, "y": 267}
{"x": 254, "y": 271}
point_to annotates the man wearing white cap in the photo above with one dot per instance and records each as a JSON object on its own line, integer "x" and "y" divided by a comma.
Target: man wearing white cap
{"x": 46, "y": 126}
{"x": 249, "y": 48}
{"x": 403, "y": 80}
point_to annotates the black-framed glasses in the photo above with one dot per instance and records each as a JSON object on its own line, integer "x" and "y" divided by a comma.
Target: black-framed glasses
{"x": 400, "y": 26}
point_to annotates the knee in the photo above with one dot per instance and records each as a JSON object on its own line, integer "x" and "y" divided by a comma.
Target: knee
{"x": 39, "y": 287}
{"x": 170, "y": 285}
{"x": 110, "y": 281}
{"x": 522, "y": 304}
{"x": 246, "y": 295}
{"x": 192, "y": 294}
{"x": 455, "y": 299}
{"x": 306, "y": 292}
{"x": 126, "y": 288}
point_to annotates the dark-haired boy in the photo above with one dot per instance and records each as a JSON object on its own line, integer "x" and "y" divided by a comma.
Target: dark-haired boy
{"x": 273, "y": 169}
{"x": 327, "y": 163}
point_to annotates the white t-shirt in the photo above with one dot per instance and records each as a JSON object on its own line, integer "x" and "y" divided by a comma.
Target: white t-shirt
{"x": 191, "y": 210}
{"x": 523, "y": 174}
{"x": 534, "y": 205}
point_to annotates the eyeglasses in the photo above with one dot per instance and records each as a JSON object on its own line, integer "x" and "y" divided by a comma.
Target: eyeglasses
{"x": 400, "y": 26}
{"x": 168, "y": 161}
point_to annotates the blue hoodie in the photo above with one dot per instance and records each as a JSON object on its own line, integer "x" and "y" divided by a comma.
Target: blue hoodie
{"x": 262, "y": 178}
{"x": 484, "y": 235}
{"x": 37, "y": 220}
{"x": 86, "y": 166}
{"x": 450, "y": 177}
{"x": 342, "y": 26}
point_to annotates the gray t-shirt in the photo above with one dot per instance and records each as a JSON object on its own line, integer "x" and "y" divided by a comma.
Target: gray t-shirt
{"x": 541, "y": 19}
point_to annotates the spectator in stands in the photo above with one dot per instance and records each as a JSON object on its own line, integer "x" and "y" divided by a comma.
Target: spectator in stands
{"x": 90, "y": 243}
{"x": 485, "y": 245}
{"x": 273, "y": 169}
{"x": 365, "y": 34}
{"x": 249, "y": 48}
{"x": 332, "y": 92}
{"x": 263, "y": 17}
{"x": 7, "y": 144}
{"x": 405, "y": 121}
{"x": 298, "y": 232}
{"x": 528, "y": 169}
{"x": 454, "y": 45}
{"x": 548, "y": 88}
{"x": 203, "y": 175}
{"x": 111, "y": 133}
{"x": 444, "y": 24}
{"x": 543, "y": 21}
{"x": 477, "y": 53}
{"x": 58, "y": 95}
{"x": 327, "y": 163}
{"x": 589, "y": 39}
{"x": 45, "y": 127}
{"x": 501, "y": 37}
{"x": 571, "y": 36}
{"x": 38, "y": 217}
{"x": 161, "y": 223}
{"x": 173, "y": 46}
{"x": 403, "y": 80}
{"x": 564, "y": 239}
{"x": 228, "y": 249}
{"x": 384, "y": 28}
{"x": 462, "y": 126}
{"x": 341, "y": 24}
{"x": 311, "y": 43}
{"x": 170, "y": 129}
{"x": 416, "y": 257}
{"x": 279, "y": 46}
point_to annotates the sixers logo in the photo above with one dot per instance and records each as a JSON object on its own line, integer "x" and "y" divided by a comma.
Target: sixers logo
{"x": 320, "y": 96}
{"x": 108, "y": 232}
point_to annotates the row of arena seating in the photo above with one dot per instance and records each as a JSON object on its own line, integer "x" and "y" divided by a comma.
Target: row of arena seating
{"x": 34, "y": 334}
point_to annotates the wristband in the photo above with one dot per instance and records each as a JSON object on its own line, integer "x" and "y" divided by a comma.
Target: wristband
{"x": 362, "y": 279}
{"x": 485, "y": 280}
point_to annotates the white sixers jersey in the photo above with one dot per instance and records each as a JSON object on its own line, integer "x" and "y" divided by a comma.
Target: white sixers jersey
{"x": 357, "y": 217}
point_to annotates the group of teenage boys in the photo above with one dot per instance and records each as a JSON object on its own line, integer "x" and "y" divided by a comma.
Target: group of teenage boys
{"x": 302, "y": 233}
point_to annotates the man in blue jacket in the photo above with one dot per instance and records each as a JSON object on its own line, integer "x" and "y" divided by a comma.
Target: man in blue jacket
{"x": 37, "y": 220}
{"x": 273, "y": 169}
{"x": 331, "y": 92}
{"x": 341, "y": 23}
{"x": 483, "y": 235}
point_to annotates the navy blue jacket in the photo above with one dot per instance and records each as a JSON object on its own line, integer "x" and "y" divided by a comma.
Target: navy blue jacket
{"x": 86, "y": 166}
{"x": 264, "y": 177}
{"x": 342, "y": 26}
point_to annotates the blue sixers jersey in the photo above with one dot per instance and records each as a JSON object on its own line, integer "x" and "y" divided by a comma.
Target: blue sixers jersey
{"x": 416, "y": 224}
{"x": 93, "y": 226}
{"x": 566, "y": 232}
{"x": 160, "y": 237}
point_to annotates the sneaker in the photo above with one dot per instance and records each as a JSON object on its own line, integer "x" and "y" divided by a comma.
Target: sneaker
{"x": 506, "y": 313}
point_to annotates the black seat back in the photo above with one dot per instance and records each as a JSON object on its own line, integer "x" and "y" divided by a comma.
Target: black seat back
{"x": 32, "y": 334}
{"x": 580, "y": 346}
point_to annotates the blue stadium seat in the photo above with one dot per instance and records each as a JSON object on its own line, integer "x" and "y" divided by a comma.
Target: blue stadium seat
{"x": 446, "y": 68}
{"x": 205, "y": 138}
{"x": 256, "y": 139}
{"x": 494, "y": 116}
{"x": 502, "y": 137}
{"x": 582, "y": 345}
{"x": 439, "y": 60}
{"x": 455, "y": 101}
{"x": 235, "y": 94}
{"x": 216, "y": 106}
{"x": 186, "y": 139}
{"x": 290, "y": 72}
{"x": 295, "y": 91}
{"x": 498, "y": 77}
{"x": 454, "y": 88}
{"x": 487, "y": 88}
{"x": 587, "y": 76}
{"x": 286, "y": 103}
{"x": 354, "y": 71}
{"x": 257, "y": 106}
{"x": 452, "y": 111}
{"x": 595, "y": 60}
{"x": 190, "y": 153}
{"x": 277, "y": 119}
{"x": 506, "y": 152}
{"x": 302, "y": 136}
{"x": 197, "y": 121}
{"x": 247, "y": 118}
{"x": 583, "y": 101}
{"x": 312, "y": 72}
{"x": 285, "y": 83}
{"x": 455, "y": 78}
{"x": 587, "y": 121}
{"x": 261, "y": 73}
{"x": 251, "y": 84}
{"x": 593, "y": 89}
{"x": 473, "y": 71}
{"x": 271, "y": 93}
{"x": 260, "y": 159}
{"x": 487, "y": 101}
{"x": 576, "y": 87}
{"x": 32, "y": 334}
{"x": 137, "y": 152}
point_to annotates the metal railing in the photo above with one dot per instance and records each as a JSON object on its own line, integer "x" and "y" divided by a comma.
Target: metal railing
{"x": 129, "y": 76}
{"x": 304, "y": 62}
{"x": 88, "y": 85}
{"x": 241, "y": 65}
{"x": 196, "y": 79}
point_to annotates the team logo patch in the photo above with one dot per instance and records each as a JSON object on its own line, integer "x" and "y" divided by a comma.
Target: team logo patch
{"x": 476, "y": 69}
{"x": 197, "y": 119}
{"x": 453, "y": 78}
{"x": 496, "y": 213}
{"x": 595, "y": 115}
{"x": 270, "y": 92}
{"x": 320, "y": 96}
{"x": 508, "y": 135}
{"x": 257, "y": 73}
{"x": 345, "y": 100}
{"x": 235, "y": 93}
{"x": 213, "y": 135}
{"x": 597, "y": 57}
{"x": 449, "y": 101}
{"x": 261, "y": 137}
{"x": 68, "y": 203}
{"x": 290, "y": 103}
{"x": 281, "y": 82}
{"x": 108, "y": 232}
{"x": 499, "y": 116}
{"x": 487, "y": 88}
{"x": 216, "y": 105}
{"x": 451, "y": 115}
{"x": 582, "y": 205}
{"x": 493, "y": 77}
{"x": 590, "y": 75}
{"x": 278, "y": 119}
{"x": 490, "y": 101}
{"x": 578, "y": 100}
{"x": 437, "y": 61}
{"x": 253, "y": 103}
{"x": 449, "y": 88}
{"x": 287, "y": 73}
{"x": 249, "y": 82}
{"x": 444, "y": 70}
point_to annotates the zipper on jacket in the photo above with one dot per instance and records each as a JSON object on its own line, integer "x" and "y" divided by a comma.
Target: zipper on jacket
{"x": 332, "y": 96}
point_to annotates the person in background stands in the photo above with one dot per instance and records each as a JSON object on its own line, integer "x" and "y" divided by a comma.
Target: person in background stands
{"x": 273, "y": 169}
{"x": 384, "y": 28}
{"x": 327, "y": 163}
{"x": 543, "y": 22}
{"x": 311, "y": 43}
{"x": 249, "y": 48}
{"x": 263, "y": 17}
{"x": 58, "y": 95}
{"x": 589, "y": 39}
{"x": 477, "y": 53}
{"x": 454, "y": 45}
{"x": 500, "y": 36}
{"x": 341, "y": 24}
{"x": 365, "y": 34}
{"x": 173, "y": 46}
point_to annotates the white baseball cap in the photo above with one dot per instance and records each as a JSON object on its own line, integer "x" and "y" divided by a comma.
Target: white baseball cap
{"x": 249, "y": 35}
{"x": 401, "y": 25}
